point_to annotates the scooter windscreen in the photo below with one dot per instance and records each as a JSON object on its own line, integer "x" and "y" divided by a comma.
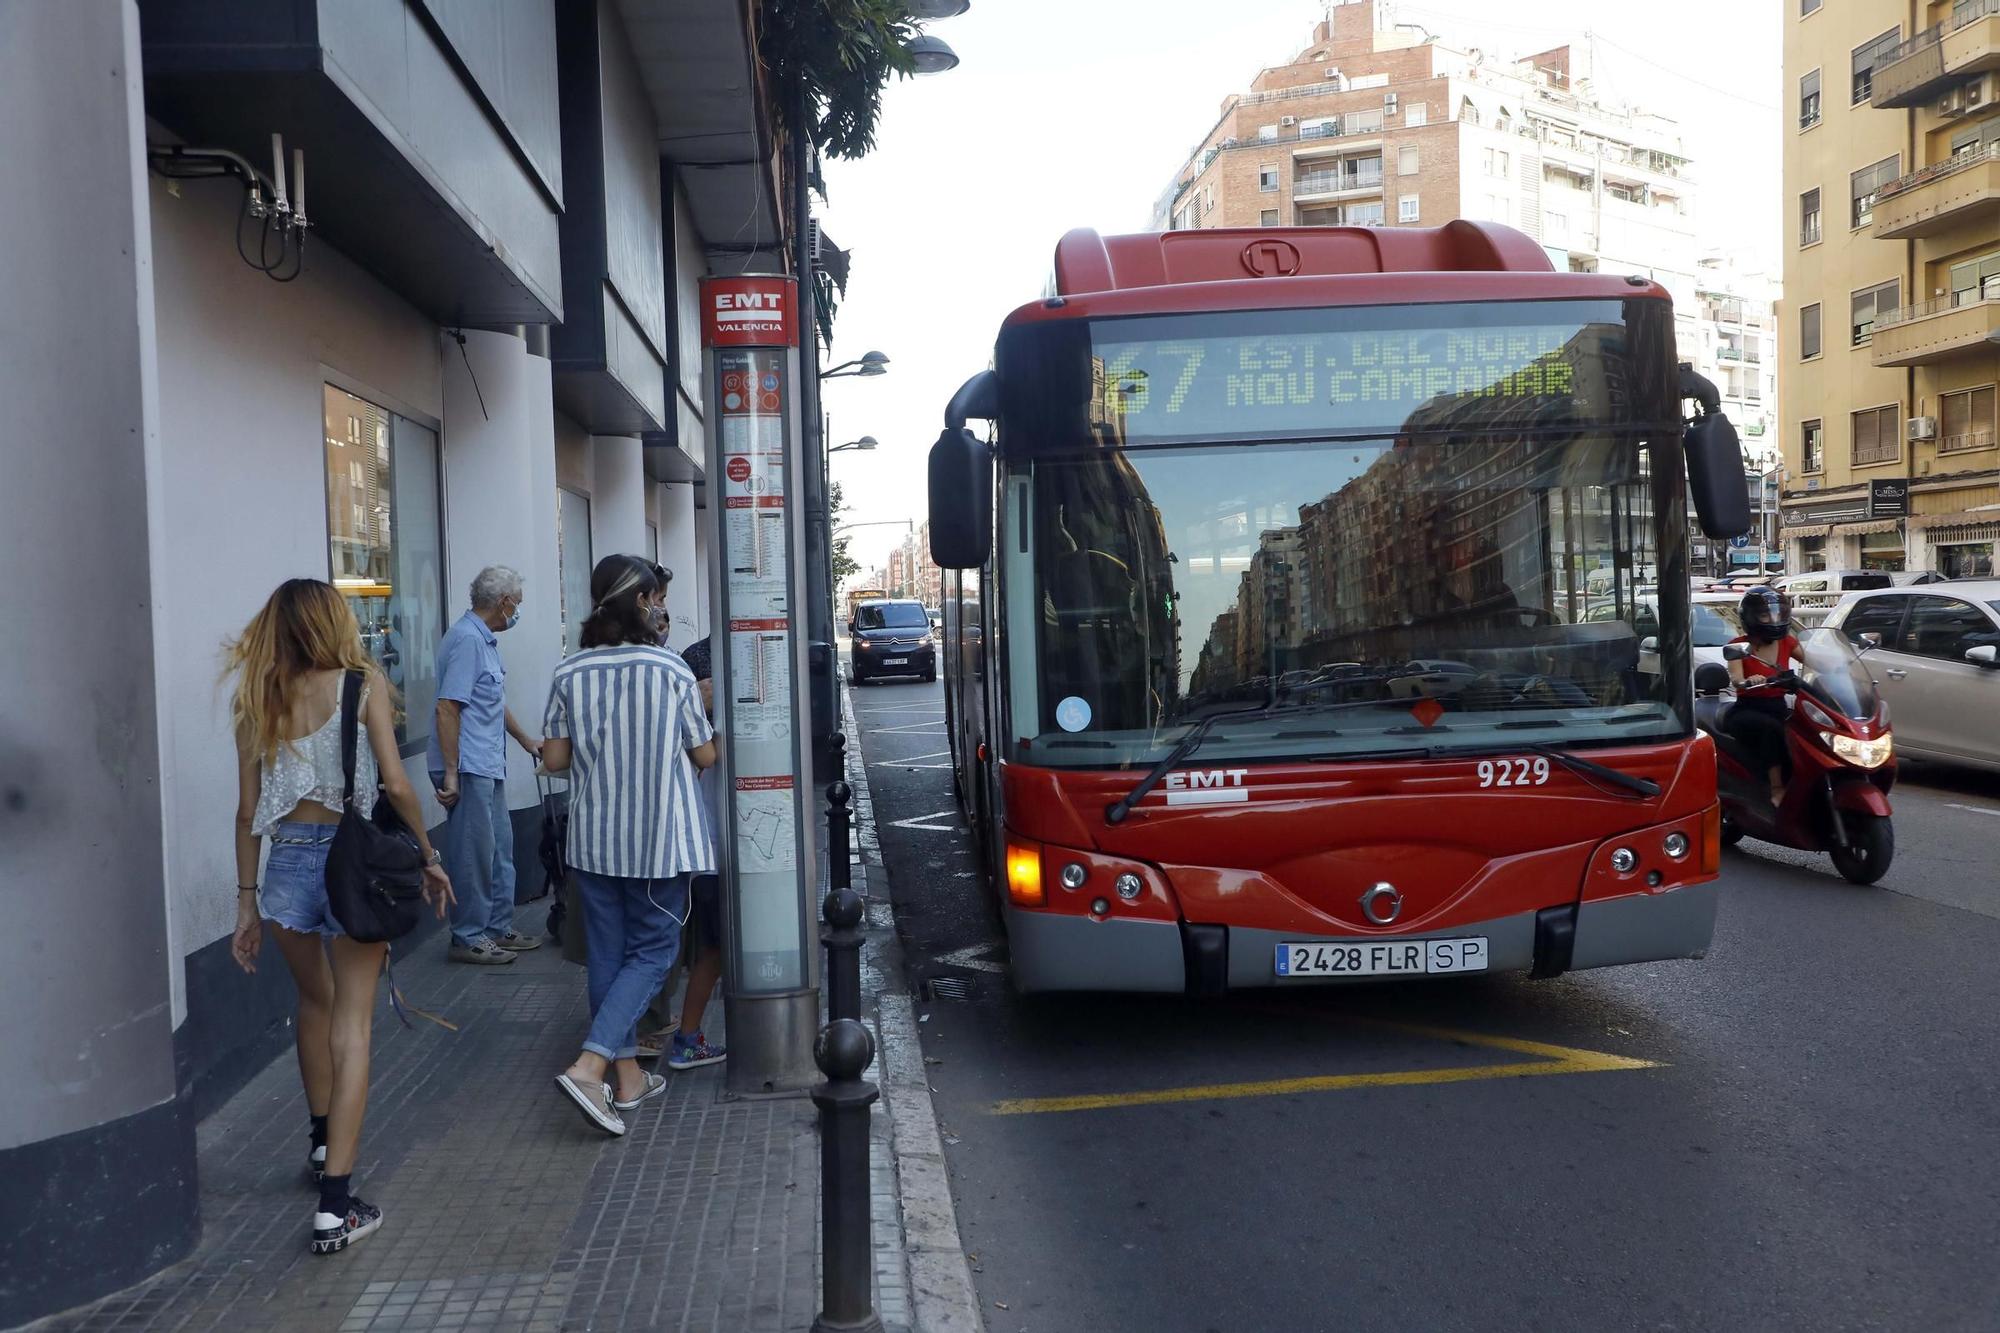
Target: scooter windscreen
{"x": 1829, "y": 665}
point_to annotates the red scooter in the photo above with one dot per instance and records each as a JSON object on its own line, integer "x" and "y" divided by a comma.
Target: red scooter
{"x": 1842, "y": 759}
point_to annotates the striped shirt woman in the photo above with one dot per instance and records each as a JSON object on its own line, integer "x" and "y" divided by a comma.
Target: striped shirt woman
{"x": 632, "y": 713}
{"x": 625, "y": 720}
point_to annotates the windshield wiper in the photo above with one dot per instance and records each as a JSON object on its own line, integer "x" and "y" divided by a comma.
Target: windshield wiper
{"x": 1115, "y": 812}
{"x": 1576, "y": 764}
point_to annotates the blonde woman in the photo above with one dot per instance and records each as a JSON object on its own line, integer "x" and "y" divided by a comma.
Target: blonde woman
{"x": 289, "y": 664}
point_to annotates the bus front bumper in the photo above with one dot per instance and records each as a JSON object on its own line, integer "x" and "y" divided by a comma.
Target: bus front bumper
{"x": 1054, "y": 951}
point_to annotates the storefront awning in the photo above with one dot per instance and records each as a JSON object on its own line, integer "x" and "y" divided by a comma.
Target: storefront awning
{"x": 1962, "y": 518}
{"x": 1809, "y": 530}
{"x": 1865, "y": 529}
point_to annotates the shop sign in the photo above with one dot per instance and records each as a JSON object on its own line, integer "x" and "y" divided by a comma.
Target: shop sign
{"x": 1889, "y": 497}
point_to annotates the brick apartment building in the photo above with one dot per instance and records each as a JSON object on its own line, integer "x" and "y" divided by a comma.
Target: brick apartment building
{"x": 1380, "y": 125}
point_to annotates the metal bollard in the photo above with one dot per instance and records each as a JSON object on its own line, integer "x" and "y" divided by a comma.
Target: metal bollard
{"x": 839, "y": 825}
{"x": 847, "y": 1297}
{"x": 842, "y": 910}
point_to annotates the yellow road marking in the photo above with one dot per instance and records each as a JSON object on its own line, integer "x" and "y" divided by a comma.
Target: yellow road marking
{"x": 1555, "y": 1060}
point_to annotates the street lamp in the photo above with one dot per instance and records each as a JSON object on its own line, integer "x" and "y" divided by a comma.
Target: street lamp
{"x": 930, "y": 55}
{"x": 908, "y": 523}
{"x": 865, "y": 442}
{"x": 868, "y": 363}
{"x": 938, "y": 9}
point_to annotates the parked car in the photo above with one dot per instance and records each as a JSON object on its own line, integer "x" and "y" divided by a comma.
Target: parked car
{"x": 1815, "y": 593}
{"x": 1934, "y": 651}
{"x": 1906, "y": 578}
{"x": 892, "y": 638}
{"x": 1714, "y": 623}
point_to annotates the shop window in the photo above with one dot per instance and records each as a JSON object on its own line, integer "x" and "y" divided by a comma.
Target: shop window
{"x": 1869, "y": 307}
{"x": 1809, "y": 331}
{"x": 573, "y": 544}
{"x": 1812, "y": 554}
{"x": 1965, "y": 420}
{"x": 1874, "y": 435}
{"x": 385, "y": 546}
{"x": 1965, "y": 560}
{"x": 1812, "y": 447}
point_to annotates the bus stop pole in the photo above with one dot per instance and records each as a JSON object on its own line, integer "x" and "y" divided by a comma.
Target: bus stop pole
{"x": 759, "y": 583}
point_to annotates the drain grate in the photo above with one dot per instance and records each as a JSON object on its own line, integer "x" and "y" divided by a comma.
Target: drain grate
{"x": 950, "y": 988}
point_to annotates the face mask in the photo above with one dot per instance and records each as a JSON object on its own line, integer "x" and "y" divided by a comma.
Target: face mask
{"x": 658, "y": 616}
{"x": 513, "y": 619}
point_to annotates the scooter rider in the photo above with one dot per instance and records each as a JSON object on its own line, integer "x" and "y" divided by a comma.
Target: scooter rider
{"x": 1758, "y": 717}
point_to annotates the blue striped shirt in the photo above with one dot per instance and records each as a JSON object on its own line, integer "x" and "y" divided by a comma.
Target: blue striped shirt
{"x": 631, "y": 714}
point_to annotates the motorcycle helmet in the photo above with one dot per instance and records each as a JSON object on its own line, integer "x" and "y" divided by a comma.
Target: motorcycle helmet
{"x": 1767, "y": 614}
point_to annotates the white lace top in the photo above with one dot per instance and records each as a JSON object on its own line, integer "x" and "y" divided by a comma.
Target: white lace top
{"x": 308, "y": 769}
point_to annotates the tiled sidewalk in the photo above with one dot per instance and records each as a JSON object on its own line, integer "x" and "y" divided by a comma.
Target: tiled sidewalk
{"x": 502, "y": 1210}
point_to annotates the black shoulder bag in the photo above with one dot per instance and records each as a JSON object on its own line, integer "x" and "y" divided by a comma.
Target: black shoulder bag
{"x": 374, "y": 870}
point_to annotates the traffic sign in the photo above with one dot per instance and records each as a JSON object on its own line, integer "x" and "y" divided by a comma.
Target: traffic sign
{"x": 1739, "y": 542}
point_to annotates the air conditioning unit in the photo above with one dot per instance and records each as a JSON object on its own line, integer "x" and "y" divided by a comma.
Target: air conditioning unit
{"x": 1923, "y": 428}
{"x": 1288, "y": 120}
{"x": 1969, "y": 96}
{"x": 1977, "y": 93}
{"x": 1331, "y": 73}
{"x": 1388, "y": 104}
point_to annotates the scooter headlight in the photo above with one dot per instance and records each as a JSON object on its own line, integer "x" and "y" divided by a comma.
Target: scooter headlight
{"x": 1860, "y": 753}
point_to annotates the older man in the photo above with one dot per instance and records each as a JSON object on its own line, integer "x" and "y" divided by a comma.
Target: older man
{"x": 468, "y": 766}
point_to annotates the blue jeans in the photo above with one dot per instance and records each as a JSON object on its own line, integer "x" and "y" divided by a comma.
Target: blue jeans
{"x": 479, "y": 857}
{"x": 634, "y": 930}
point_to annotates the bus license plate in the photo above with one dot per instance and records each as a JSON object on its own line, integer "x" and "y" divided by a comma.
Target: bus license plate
{"x": 895, "y": 661}
{"x": 1383, "y": 958}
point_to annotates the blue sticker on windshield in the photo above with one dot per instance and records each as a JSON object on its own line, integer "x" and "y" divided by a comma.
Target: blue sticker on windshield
{"x": 1072, "y": 714}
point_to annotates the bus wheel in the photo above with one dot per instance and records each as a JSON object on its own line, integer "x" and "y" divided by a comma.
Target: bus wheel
{"x": 1732, "y": 832}
{"x": 1871, "y": 842}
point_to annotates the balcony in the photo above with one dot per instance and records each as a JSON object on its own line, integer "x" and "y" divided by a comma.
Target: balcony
{"x": 1918, "y": 69}
{"x": 1337, "y": 184}
{"x": 1940, "y": 329}
{"x": 1944, "y": 194}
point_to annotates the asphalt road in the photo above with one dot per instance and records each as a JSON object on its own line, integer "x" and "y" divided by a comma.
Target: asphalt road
{"x": 1800, "y": 1131}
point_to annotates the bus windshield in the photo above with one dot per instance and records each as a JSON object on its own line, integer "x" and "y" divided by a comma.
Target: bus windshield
{"x": 1510, "y": 580}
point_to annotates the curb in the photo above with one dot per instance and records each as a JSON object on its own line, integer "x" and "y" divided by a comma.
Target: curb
{"x": 942, "y": 1296}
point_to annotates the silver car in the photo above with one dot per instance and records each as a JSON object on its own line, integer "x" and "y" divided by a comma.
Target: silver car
{"x": 1936, "y": 660}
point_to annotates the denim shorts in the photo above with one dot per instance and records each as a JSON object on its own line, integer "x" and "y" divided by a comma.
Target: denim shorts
{"x": 294, "y": 892}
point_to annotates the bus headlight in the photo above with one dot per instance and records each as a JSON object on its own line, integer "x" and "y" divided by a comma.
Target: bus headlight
{"x": 1675, "y": 845}
{"x": 1860, "y": 753}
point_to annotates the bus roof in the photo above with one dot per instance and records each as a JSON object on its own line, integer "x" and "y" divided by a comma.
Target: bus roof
{"x": 1088, "y": 262}
{"x": 1245, "y": 268}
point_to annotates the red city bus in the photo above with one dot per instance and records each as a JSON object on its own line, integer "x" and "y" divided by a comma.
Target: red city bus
{"x": 1296, "y": 607}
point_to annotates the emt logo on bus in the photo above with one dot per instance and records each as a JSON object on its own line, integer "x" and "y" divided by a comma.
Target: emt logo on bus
{"x": 748, "y": 312}
{"x": 1208, "y": 786}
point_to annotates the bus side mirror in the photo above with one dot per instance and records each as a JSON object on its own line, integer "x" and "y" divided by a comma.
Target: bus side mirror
{"x": 961, "y": 486}
{"x": 1715, "y": 476}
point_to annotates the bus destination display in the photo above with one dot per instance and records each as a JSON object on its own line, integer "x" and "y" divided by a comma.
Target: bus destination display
{"x": 1293, "y": 383}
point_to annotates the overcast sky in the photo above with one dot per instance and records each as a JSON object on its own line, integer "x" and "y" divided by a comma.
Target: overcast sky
{"x": 1068, "y": 113}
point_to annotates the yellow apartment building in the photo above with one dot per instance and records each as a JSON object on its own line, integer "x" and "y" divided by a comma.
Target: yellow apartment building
{"x": 1890, "y": 348}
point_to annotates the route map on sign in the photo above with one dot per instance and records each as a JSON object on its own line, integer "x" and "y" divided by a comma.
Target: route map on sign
{"x": 765, "y": 825}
